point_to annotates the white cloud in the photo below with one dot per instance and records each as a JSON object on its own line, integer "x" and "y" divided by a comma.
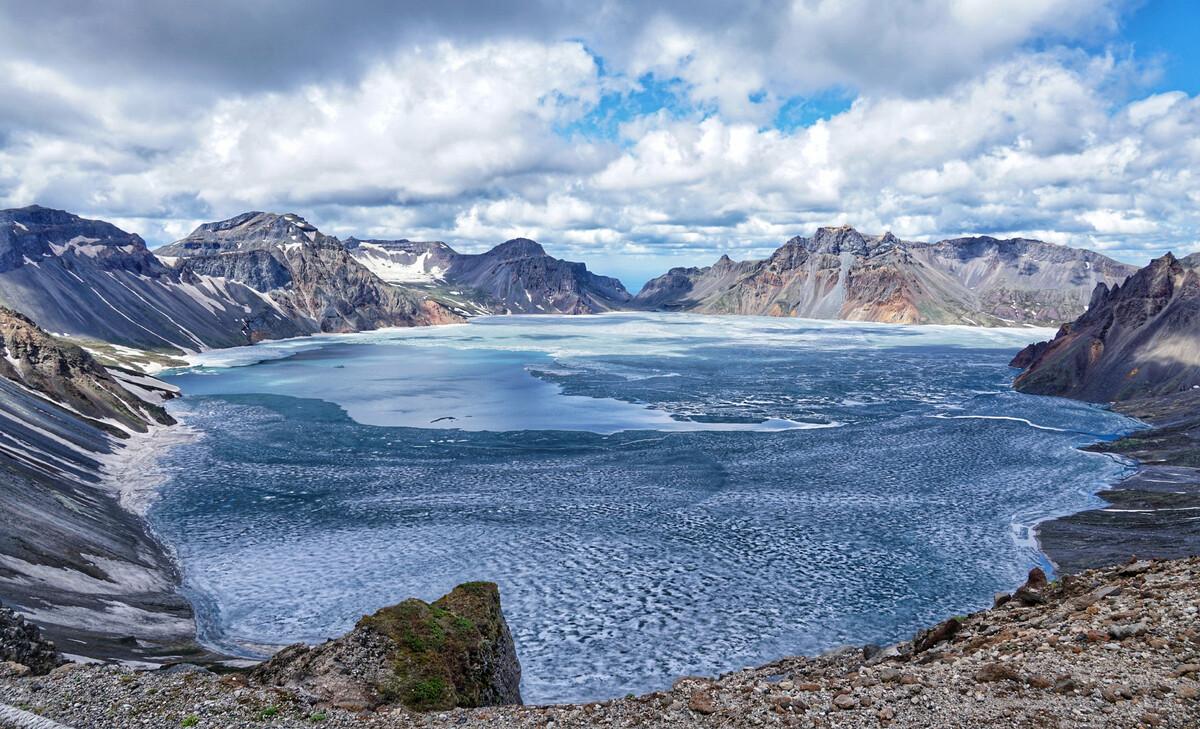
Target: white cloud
{"x": 957, "y": 130}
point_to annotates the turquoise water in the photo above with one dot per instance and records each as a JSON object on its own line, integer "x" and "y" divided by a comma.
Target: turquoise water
{"x": 657, "y": 495}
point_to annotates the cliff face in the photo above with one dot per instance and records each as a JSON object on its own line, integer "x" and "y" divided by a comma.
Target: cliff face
{"x": 515, "y": 277}
{"x": 88, "y": 278}
{"x": 841, "y": 274}
{"x": 71, "y": 558}
{"x": 66, "y": 374}
{"x": 455, "y": 652}
{"x": 312, "y": 279}
{"x": 1138, "y": 339}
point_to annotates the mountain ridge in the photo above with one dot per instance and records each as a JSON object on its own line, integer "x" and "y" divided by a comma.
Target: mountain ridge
{"x": 514, "y": 277}
{"x": 839, "y": 273}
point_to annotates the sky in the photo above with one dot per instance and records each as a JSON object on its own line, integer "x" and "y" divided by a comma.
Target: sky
{"x": 634, "y": 136}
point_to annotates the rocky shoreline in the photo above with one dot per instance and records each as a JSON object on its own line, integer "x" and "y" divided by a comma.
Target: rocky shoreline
{"x": 1113, "y": 647}
{"x": 1152, "y": 513}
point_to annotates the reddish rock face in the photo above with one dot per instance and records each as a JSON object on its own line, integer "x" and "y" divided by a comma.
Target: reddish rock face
{"x": 841, "y": 274}
{"x": 1137, "y": 339}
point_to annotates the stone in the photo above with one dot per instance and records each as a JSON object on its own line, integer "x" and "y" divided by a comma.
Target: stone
{"x": 943, "y": 631}
{"x": 702, "y": 702}
{"x": 10, "y": 669}
{"x": 808, "y": 687}
{"x": 21, "y": 642}
{"x": 1136, "y": 568}
{"x": 845, "y": 702}
{"x": 454, "y": 652}
{"x": 1116, "y": 692}
{"x": 1121, "y": 632}
{"x": 991, "y": 672}
{"x": 1031, "y": 593}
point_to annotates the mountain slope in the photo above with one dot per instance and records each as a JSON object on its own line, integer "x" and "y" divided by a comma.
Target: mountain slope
{"x": 71, "y": 558}
{"x": 88, "y": 278}
{"x": 310, "y": 278}
{"x": 841, "y": 274}
{"x": 1137, "y": 339}
{"x": 515, "y": 277}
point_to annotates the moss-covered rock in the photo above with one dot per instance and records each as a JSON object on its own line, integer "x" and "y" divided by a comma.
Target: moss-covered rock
{"x": 456, "y": 651}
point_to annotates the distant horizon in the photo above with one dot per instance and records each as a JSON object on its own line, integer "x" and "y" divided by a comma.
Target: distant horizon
{"x": 633, "y": 136}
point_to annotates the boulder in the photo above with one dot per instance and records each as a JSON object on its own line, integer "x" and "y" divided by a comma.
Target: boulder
{"x": 454, "y": 652}
{"x": 21, "y": 642}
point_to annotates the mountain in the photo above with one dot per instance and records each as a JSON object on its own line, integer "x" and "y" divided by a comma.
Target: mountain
{"x": 1137, "y": 339}
{"x": 90, "y": 279}
{"x": 310, "y": 279}
{"x": 253, "y": 277}
{"x": 840, "y": 273}
{"x": 87, "y": 571}
{"x": 515, "y": 277}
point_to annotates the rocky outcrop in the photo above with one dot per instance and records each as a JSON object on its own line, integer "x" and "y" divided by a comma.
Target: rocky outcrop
{"x": 840, "y": 273}
{"x": 22, "y": 643}
{"x": 67, "y": 374}
{"x": 311, "y": 279}
{"x": 1137, "y": 339}
{"x": 72, "y": 560}
{"x": 455, "y": 652}
{"x": 515, "y": 277}
{"x": 1138, "y": 345}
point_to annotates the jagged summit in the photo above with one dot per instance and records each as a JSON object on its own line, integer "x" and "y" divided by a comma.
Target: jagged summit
{"x": 515, "y": 277}
{"x": 840, "y": 273}
{"x": 1139, "y": 338}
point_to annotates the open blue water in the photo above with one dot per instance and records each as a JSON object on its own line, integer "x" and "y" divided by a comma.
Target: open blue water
{"x": 656, "y": 495}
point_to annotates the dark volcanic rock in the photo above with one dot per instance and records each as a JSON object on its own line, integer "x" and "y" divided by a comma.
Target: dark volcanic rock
{"x": 88, "y": 278}
{"x": 87, "y": 571}
{"x": 69, "y": 375}
{"x": 840, "y": 273}
{"x": 312, "y": 279}
{"x": 21, "y": 642}
{"x": 455, "y": 652}
{"x": 1151, "y": 513}
{"x": 1137, "y": 339}
{"x": 515, "y": 277}
{"x": 1138, "y": 344}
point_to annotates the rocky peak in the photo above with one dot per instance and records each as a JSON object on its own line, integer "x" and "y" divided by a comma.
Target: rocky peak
{"x": 1137, "y": 339}
{"x": 254, "y": 230}
{"x": 29, "y": 234}
{"x": 842, "y": 239}
{"x": 454, "y": 652}
{"x": 518, "y": 248}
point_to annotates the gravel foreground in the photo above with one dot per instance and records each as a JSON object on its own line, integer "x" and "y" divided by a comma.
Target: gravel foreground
{"x": 1117, "y": 647}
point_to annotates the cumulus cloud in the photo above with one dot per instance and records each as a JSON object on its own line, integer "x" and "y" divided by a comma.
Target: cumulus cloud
{"x": 461, "y": 123}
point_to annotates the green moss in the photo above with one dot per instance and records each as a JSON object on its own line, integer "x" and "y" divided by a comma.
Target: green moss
{"x": 438, "y": 645}
{"x": 190, "y": 720}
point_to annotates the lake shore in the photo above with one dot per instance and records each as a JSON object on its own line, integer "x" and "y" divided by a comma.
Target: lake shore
{"x": 1111, "y": 647}
{"x": 1155, "y": 512}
